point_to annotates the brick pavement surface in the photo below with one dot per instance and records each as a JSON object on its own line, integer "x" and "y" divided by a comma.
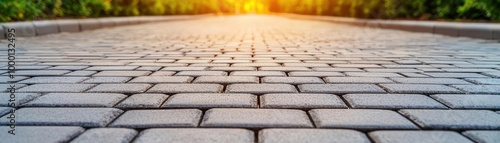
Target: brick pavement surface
{"x": 274, "y": 80}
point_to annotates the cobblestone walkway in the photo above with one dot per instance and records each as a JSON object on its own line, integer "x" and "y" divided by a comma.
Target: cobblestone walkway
{"x": 253, "y": 79}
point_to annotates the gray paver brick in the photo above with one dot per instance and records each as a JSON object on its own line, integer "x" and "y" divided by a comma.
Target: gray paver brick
{"x": 211, "y": 100}
{"x": 372, "y": 74}
{"x": 357, "y": 80}
{"x": 77, "y": 100}
{"x": 107, "y": 80}
{"x": 122, "y": 73}
{"x": 201, "y": 73}
{"x": 80, "y": 73}
{"x": 359, "y": 119}
{"x": 418, "y": 137}
{"x": 143, "y": 101}
{"x": 479, "y": 89}
{"x": 184, "y": 68}
{"x": 56, "y": 88}
{"x": 162, "y": 79}
{"x": 292, "y": 80}
{"x": 483, "y": 136}
{"x": 492, "y": 74}
{"x": 419, "y": 88}
{"x": 391, "y": 101}
{"x": 120, "y": 88}
{"x": 35, "y": 80}
{"x": 258, "y": 73}
{"x": 45, "y": 134}
{"x": 111, "y": 68}
{"x": 311, "y": 136}
{"x": 186, "y": 88}
{"x": 455, "y": 119}
{"x": 85, "y": 117}
{"x": 255, "y": 118}
{"x": 430, "y": 80}
{"x": 338, "y": 69}
{"x": 455, "y": 75}
{"x": 340, "y": 88}
{"x": 226, "y": 79}
{"x": 314, "y": 74}
{"x": 106, "y": 135}
{"x": 158, "y": 118}
{"x": 284, "y": 69}
{"x": 20, "y": 98}
{"x": 41, "y": 72}
{"x": 484, "y": 80}
{"x": 197, "y": 135}
{"x": 301, "y": 101}
{"x": 469, "y": 101}
{"x": 5, "y": 110}
{"x": 260, "y": 88}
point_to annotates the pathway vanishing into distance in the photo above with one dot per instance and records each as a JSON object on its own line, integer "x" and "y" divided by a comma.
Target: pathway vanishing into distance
{"x": 250, "y": 79}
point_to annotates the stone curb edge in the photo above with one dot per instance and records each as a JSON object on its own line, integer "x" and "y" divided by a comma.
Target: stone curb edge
{"x": 44, "y": 27}
{"x": 488, "y": 31}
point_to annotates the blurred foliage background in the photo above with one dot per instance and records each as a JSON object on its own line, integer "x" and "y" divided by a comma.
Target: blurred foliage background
{"x": 18, "y": 10}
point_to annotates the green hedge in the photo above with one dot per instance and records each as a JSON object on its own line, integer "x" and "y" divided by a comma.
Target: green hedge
{"x": 17, "y": 10}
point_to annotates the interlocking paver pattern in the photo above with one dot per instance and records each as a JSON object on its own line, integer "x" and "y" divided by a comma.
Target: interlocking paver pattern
{"x": 249, "y": 77}
{"x": 47, "y": 134}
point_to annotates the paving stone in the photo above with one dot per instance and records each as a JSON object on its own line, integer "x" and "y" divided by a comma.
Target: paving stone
{"x": 284, "y": 69}
{"x": 5, "y": 110}
{"x": 292, "y": 80}
{"x": 143, "y": 101}
{"x": 184, "y": 69}
{"x": 469, "y": 101}
{"x": 311, "y": 136}
{"x": 6, "y": 87}
{"x": 340, "y": 88}
{"x": 455, "y": 75}
{"x": 226, "y": 79}
{"x": 201, "y": 73}
{"x": 81, "y": 73}
{"x": 356, "y": 65}
{"x": 258, "y": 73}
{"x": 35, "y": 80}
{"x": 430, "y": 80}
{"x": 68, "y": 67}
{"x": 255, "y": 118}
{"x": 419, "y": 88}
{"x": 162, "y": 79}
{"x": 414, "y": 75}
{"x": 107, "y": 80}
{"x": 372, "y": 74}
{"x": 41, "y": 72}
{"x": 56, "y": 88}
{"x": 45, "y": 134}
{"x": 84, "y": 117}
{"x": 233, "y": 69}
{"x": 484, "y": 80}
{"x": 391, "y": 101}
{"x": 357, "y": 80}
{"x": 196, "y": 135}
{"x": 455, "y": 119}
{"x": 359, "y": 119}
{"x": 314, "y": 74}
{"x": 6, "y": 79}
{"x": 479, "y": 89}
{"x": 106, "y": 135}
{"x": 120, "y": 88}
{"x": 123, "y": 73}
{"x": 111, "y": 68}
{"x": 186, "y": 88}
{"x": 483, "y": 136}
{"x": 255, "y": 65}
{"x": 301, "y": 101}
{"x": 211, "y": 100}
{"x": 163, "y": 73}
{"x": 261, "y": 88}
{"x": 20, "y": 98}
{"x": 148, "y": 68}
{"x": 158, "y": 118}
{"x": 418, "y": 137}
{"x": 338, "y": 69}
{"x": 77, "y": 100}
{"x": 492, "y": 74}
{"x": 305, "y": 65}
{"x": 379, "y": 70}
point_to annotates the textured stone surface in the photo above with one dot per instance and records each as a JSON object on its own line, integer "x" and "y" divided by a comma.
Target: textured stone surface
{"x": 479, "y": 89}
{"x": 85, "y": 117}
{"x": 470, "y": 101}
{"x": 255, "y": 118}
{"x": 483, "y": 136}
{"x": 301, "y": 101}
{"x": 359, "y": 119}
{"x": 357, "y": 80}
{"x": 292, "y": 80}
{"x": 430, "y": 80}
{"x": 77, "y": 100}
{"x": 20, "y": 98}
{"x": 186, "y": 88}
{"x": 56, "y": 88}
{"x": 107, "y": 80}
{"x": 211, "y": 100}
{"x": 158, "y": 118}
{"x": 311, "y": 135}
{"x": 202, "y": 135}
{"x": 35, "y": 80}
{"x": 419, "y": 88}
{"x": 143, "y": 101}
{"x": 120, "y": 88}
{"x": 314, "y": 74}
{"x": 418, "y": 137}
{"x": 45, "y": 134}
{"x": 123, "y": 73}
{"x": 5, "y": 110}
{"x": 106, "y": 135}
{"x": 226, "y": 79}
{"x": 391, "y": 101}
{"x": 258, "y": 73}
{"x": 340, "y": 88}
{"x": 455, "y": 119}
{"x": 260, "y": 88}
{"x": 484, "y": 80}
